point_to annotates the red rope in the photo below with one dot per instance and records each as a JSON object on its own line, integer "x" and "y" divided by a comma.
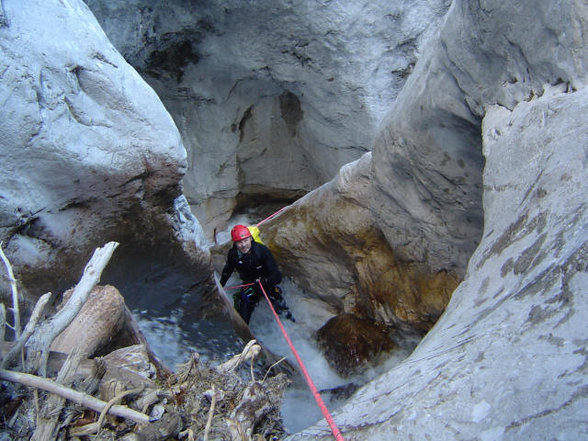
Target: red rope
{"x": 334, "y": 429}
{"x": 271, "y": 216}
{"x": 240, "y": 286}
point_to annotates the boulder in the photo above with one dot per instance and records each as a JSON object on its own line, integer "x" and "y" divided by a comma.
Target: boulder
{"x": 351, "y": 343}
{"x": 89, "y": 153}
{"x": 330, "y": 244}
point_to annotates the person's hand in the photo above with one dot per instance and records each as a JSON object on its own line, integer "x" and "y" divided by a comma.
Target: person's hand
{"x": 261, "y": 280}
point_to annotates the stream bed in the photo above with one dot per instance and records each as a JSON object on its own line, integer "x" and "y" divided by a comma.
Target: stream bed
{"x": 173, "y": 314}
{"x": 165, "y": 322}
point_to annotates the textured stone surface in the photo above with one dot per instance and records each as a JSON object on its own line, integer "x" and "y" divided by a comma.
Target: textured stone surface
{"x": 89, "y": 153}
{"x": 507, "y": 360}
{"x": 427, "y": 159}
{"x": 350, "y": 343}
{"x": 418, "y": 198}
{"x": 271, "y": 96}
{"x": 329, "y": 243}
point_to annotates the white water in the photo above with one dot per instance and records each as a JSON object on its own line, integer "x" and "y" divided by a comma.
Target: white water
{"x": 300, "y": 409}
{"x": 174, "y": 337}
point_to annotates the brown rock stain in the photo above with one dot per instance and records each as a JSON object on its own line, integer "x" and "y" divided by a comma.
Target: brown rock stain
{"x": 333, "y": 249}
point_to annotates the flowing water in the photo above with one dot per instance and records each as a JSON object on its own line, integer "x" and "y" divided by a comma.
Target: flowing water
{"x": 173, "y": 340}
{"x": 167, "y": 304}
{"x": 163, "y": 300}
{"x": 300, "y": 409}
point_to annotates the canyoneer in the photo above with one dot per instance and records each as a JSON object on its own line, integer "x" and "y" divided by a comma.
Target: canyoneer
{"x": 255, "y": 264}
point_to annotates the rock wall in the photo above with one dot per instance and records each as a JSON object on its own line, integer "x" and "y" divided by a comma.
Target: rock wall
{"x": 89, "y": 153}
{"x": 271, "y": 97}
{"x": 507, "y": 358}
{"x": 420, "y": 194}
{"x": 329, "y": 243}
{"x": 427, "y": 160}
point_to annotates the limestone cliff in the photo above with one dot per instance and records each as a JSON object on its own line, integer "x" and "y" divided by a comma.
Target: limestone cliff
{"x": 477, "y": 174}
{"x": 507, "y": 358}
{"x": 89, "y": 153}
{"x": 271, "y": 97}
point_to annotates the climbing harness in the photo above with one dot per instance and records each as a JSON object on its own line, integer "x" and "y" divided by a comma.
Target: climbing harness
{"x": 334, "y": 429}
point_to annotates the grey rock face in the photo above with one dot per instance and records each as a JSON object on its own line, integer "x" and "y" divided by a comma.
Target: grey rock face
{"x": 271, "y": 97}
{"x": 507, "y": 359}
{"x": 89, "y": 153}
{"x": 418, "y": 198}
{"x": 427, "y": 159}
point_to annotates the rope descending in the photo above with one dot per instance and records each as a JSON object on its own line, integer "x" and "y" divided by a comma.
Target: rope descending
{"x": 334, "y": 429}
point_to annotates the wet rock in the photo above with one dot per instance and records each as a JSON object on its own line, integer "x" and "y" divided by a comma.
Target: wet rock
{"x": 351, "y": 343}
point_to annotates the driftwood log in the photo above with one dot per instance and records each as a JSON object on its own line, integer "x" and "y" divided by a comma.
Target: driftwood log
{"x": 45, "y": 333}
{"x": 77, "y": 397}
{"x": 100, "y": 319}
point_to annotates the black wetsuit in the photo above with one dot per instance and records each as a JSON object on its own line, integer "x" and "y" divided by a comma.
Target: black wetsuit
{"x": 258, "y": 263}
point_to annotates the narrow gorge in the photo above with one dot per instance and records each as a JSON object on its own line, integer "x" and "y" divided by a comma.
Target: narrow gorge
{"x": 427, "y": 158}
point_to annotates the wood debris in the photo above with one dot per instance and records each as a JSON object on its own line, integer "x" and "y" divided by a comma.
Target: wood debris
{"x": 128, "y": 394}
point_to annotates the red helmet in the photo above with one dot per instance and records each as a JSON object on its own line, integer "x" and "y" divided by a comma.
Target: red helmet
{"x": 240, "y": 232}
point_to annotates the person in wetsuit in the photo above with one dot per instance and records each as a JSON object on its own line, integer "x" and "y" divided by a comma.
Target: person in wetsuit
{"x": 254, "y": 262}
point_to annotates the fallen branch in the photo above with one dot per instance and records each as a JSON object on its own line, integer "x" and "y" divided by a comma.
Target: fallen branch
{"x": 83, "y": 399}
{"x": 250, "y": 351}
{"x": 112, "y": 403}
{"x": 28, "y": 330}
{"x": 210, "y": 414}
{"x": 271, "y": 367}
{"x": 47, "y": 418}
{"x": 2, "y": 321}
{"x": 41, "y": 340}
{"x": 15, "y": 306}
